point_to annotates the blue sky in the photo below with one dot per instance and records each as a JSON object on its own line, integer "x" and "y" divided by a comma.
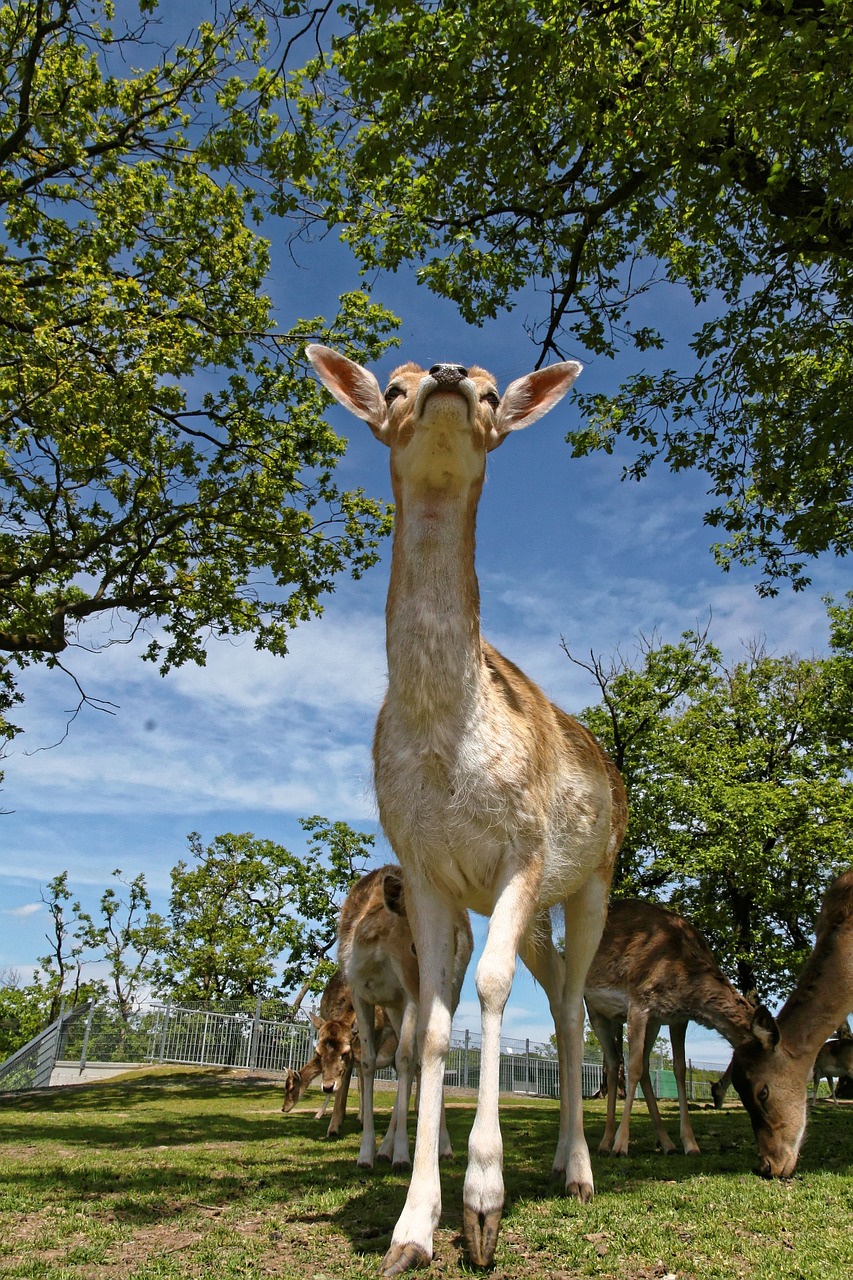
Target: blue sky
{"x": 251, "y": 742}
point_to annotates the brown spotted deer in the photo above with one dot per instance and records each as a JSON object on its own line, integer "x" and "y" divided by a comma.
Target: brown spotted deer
{"x": 653, "y": 967}
{"x": 771, "y": 1069}
{"x": 491, "y": 797}
{"x": 835, "y": 1061}
{"x": 376, "y": 954}
{"x": 335, "y": 1008}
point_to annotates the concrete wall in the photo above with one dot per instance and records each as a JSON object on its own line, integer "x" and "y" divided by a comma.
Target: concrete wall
{"x": 70, "y": 1073}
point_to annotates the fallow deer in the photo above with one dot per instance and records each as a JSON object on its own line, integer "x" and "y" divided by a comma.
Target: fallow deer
{"x": 491, "y": 797}
{"x": 653, "y": 967}
{"x": 835, "y": 1061}
{"x": 337, "y": 1052}
{"x": 335, "y": 1006}
{"x": 376, "y": 954}
{"x": 771, "y": 1069}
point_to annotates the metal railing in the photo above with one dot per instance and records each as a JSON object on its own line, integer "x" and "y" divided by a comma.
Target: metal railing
{"x": 265, "y": 1037}
{"x": 32, "y": 1065}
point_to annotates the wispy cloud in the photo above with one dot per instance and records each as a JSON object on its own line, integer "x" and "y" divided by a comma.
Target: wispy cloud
{"x": 28, "y": 909}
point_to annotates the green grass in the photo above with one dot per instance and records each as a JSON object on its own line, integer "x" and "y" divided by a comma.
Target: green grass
{"x": 198, "y": 1174}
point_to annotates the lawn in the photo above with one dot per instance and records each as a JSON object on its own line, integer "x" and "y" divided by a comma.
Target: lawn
{"x": 191, "y": 1173}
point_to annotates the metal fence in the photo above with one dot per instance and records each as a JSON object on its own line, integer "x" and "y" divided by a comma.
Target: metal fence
{"x": 266, "y": 1038}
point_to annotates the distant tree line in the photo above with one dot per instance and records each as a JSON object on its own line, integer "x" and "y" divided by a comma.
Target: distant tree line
{"x": 246, "y": 918}
{"x": 741, "y": 808}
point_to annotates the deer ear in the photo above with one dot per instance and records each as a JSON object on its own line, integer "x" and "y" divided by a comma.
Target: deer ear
{"x": 316, "y": 1021}
{"x": 531, "y": 397}
{"x": 393, "y": 892}
{"x": 765, "y": 1028}
{"x": 355, "y": 388}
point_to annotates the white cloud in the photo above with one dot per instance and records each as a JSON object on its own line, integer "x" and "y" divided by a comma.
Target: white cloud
{"x": 28, "y": 909}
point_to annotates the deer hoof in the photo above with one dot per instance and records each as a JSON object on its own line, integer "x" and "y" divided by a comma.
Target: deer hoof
{"x": 481, "y": 1235}
{"x": 404, "y": 1257}
{"x": 582, "y": 1191}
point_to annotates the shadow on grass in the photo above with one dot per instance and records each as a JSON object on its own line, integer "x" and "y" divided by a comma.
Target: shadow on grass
{"x": 151, "y": 1148}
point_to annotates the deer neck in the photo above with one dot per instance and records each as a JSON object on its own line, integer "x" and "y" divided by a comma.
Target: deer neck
{"x": 433, "y": 609}
{"x": 820, "y": 1000}
{"x": 709, "y": 1000}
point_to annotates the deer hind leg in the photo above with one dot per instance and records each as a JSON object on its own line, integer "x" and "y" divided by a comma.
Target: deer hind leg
{"x": 677, "y": 1032}
{"x": 585, "y": 913}
{"x": 432, "y": 927}
{"x": 340, "y": 1108}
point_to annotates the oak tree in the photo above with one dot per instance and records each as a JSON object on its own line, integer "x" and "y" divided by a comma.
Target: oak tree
{"x": 624, "y": 157}
{"x": 165, "y": 465}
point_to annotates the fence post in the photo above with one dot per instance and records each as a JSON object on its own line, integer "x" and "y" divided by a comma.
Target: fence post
{"x": 527, "y": 1066}
{"x": 85, "y": 1048}
{"x": 166, "y": 1015}
{"x": 256, "y": 1035}
{"x": 465, "y": 1068}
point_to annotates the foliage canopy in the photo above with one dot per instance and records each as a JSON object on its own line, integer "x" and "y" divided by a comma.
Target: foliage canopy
{"x": 164, "y": 461}
{"x": 626, "y": 159}
{"x": 246, "y": 911}
{"x": 739, "y": 788}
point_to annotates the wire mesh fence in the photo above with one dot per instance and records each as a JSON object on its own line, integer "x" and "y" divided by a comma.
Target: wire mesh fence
{"x": 268, "y": 1037}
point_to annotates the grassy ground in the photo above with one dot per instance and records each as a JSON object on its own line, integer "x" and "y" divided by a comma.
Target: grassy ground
{"x": 191, "y": 1174}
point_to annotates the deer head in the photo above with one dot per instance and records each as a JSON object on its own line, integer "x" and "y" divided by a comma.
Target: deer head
{"x": 439, "y": 424}
{"x": 771, "y": 1081}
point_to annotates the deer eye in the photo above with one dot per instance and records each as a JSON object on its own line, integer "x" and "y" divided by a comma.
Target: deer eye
{"x": 392, "y": 393}
{"x": 491, "y": 397}
{"x": 763, "y": 1093}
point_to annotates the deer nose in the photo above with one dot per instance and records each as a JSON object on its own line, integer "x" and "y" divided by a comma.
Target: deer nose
{"x": 448, "y": 374}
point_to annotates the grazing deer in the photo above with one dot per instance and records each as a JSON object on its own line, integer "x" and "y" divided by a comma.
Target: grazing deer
{"x": 835, "y": 1060}
{"x": 771, "y": 1069}
{"x": 653, "y": 967}
{"x": 491, "y": 797}
{"x": 376, "y": 954}
{"x": 335, "y": 1006}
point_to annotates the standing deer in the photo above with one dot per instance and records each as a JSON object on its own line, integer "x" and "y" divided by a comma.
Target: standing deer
{"x": 377, "y": 956}
{"x": 491, "y": 797}
{"x": 835, "y": 1060}
{"x": 653, "y": 967}
{"x": 771, "y": 1069}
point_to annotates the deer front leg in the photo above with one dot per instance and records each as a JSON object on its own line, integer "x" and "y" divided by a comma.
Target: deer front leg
{"x": 677, "y": 1032}
{"x": 637, "y": 1024}
{"x": 432, "y": 927}
{"x": 483, "y": 1194}
{"x": 395, "y": 1147}
{"x": 364, "y": 1014}
{"x": 609, "y": 1033}
{"x": 665, "y": 1142}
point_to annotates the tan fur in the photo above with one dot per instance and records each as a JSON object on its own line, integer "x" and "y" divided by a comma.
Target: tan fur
{"x": 771, "y": 1069}
{"x": 336, "y": 1052}
{"x": 376, "y": 954}
{"x": 835, "y": 1061}
{"x": 491, "y": 797}
{"x": 653, "y": 967}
